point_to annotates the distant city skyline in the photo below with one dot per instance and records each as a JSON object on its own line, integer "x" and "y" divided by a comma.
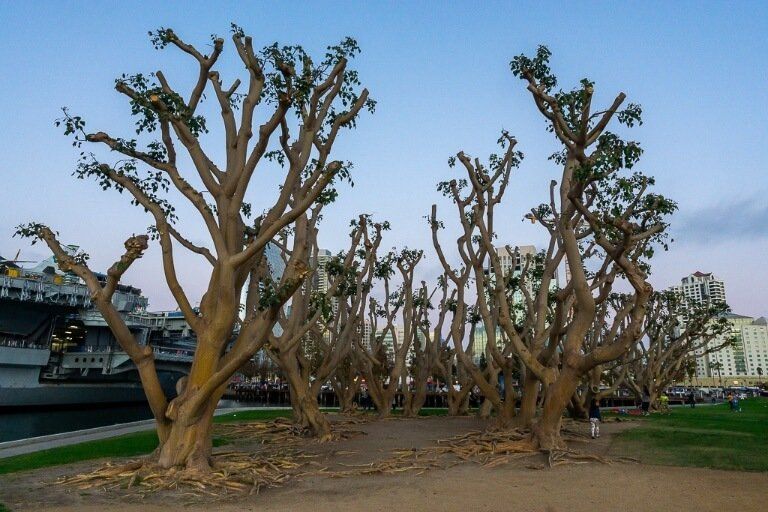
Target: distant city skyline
{"x": 440, "y": 74}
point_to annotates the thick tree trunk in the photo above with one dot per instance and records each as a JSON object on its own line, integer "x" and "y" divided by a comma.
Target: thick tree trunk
{"x": 306, "y": 410}
{"x": 407, "y": 397}
{"x": 382, "y": 398}
{"x": 505, "y": 409}
{"x": 485, "y": 409}
{"x": 579, "y": 405}
{"x": 312, "y": 418}
{"x": 346, "y": 396}
{"x": 190, "y": 439}
{"x": 546, "y": 431}
{"x": 418, "y": 396}
{"x": 529, "y": 400}
{"x": 188, "y": 446}
{"x": 458, "y": 402}
{"x": 654, "y": 406}
{"x": 505, "y": 417}
{"x": 491, "y": 393}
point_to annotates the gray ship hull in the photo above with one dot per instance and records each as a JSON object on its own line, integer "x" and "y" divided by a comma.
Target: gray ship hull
{"x": 58, "y": 395}
{"x": 20, "y": 384}
{"x": 57, "y": 351}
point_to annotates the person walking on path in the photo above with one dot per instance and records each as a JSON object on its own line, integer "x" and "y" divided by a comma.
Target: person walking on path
{"x": 594, "y": 418}
{"x": 646, "y": 400}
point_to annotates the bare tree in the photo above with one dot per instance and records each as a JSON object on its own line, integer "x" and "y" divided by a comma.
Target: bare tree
{"x": 602, "y": 224}
{"x": 476, "y": 203}
{"x": 599, "y": 218}
{"x": 421, "y": 364}
{"x": 346, "y": 382}
{"x": 331, "y": 319}
{"x": 289, "y": 91}
{"x": 603, "y": 379}
{"x": 677, "y": 330}
{"x": 441, "y": 351}
{"x": 382, "y": 365}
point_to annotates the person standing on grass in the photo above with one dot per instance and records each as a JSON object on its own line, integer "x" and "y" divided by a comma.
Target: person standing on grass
{"x": 664, "y": 403}
{"x": 735, "y": 403}
{"x": 646, "y": 400}
{"x": 594, "y": 418}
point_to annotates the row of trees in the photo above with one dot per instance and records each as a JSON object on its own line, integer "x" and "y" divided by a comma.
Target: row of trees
{"x": 602, "y": 220}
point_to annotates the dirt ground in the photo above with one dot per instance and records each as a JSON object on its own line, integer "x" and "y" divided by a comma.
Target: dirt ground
{"x": 464, "y": 487}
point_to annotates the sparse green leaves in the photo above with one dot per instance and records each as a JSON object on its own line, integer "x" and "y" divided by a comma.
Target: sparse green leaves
{"x": 152, "y": 103}
{"x": 236, "y": 30}
{"x": 161, "y": 37}
{"x": 536, "y": 67}
{"x": 276, "y": 156}
{"x": 31, "y": 230}
{"x": 631, "y": 115}
{"x": 73, "y": 125}
{"x": 152, "y": 184}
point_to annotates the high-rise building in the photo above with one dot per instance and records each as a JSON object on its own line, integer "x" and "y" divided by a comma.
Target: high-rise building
{"x": 479, "y": 343}
{"x": 705, "y": 288}
{"x": 755, "y": 340}
{"x": 516, "y": 260}
{"x": 365, "y": 336}
{"x": 740, "y": 360}
{"x": 388, "y": 342}
{"x": 321, "y": 278}
{"x": 276, "y": 269}
{"x": 701, "y": 287}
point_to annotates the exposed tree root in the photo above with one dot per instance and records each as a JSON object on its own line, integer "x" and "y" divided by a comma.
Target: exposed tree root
{"x": 280, "y": 460}
{"x": 232, "y": 473}
{"x": 488, "y": 449}
{"x": 574, "y": 431}
{"x": 283, "y": 432}
{"x": 562, "y": 457}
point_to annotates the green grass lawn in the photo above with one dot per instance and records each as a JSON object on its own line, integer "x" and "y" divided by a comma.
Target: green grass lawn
{"x": 709, "y": 437}
{"x": 123, "y": 446}
{"x": 254, "y": 415}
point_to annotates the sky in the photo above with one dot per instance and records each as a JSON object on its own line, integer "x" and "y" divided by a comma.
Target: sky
{"x": 440, "y": 74}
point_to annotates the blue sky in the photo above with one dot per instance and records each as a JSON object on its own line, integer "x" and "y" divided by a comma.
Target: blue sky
{"x": 440, "y": 74}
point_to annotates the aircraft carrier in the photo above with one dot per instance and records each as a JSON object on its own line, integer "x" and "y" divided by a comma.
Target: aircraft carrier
{"x": 56, "y": 349}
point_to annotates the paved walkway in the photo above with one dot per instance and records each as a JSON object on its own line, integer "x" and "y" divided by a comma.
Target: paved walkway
{"x": 36, "y": 444}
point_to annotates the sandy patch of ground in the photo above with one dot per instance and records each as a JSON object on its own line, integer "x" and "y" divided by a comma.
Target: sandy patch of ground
{"x": 464, "y": 487}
